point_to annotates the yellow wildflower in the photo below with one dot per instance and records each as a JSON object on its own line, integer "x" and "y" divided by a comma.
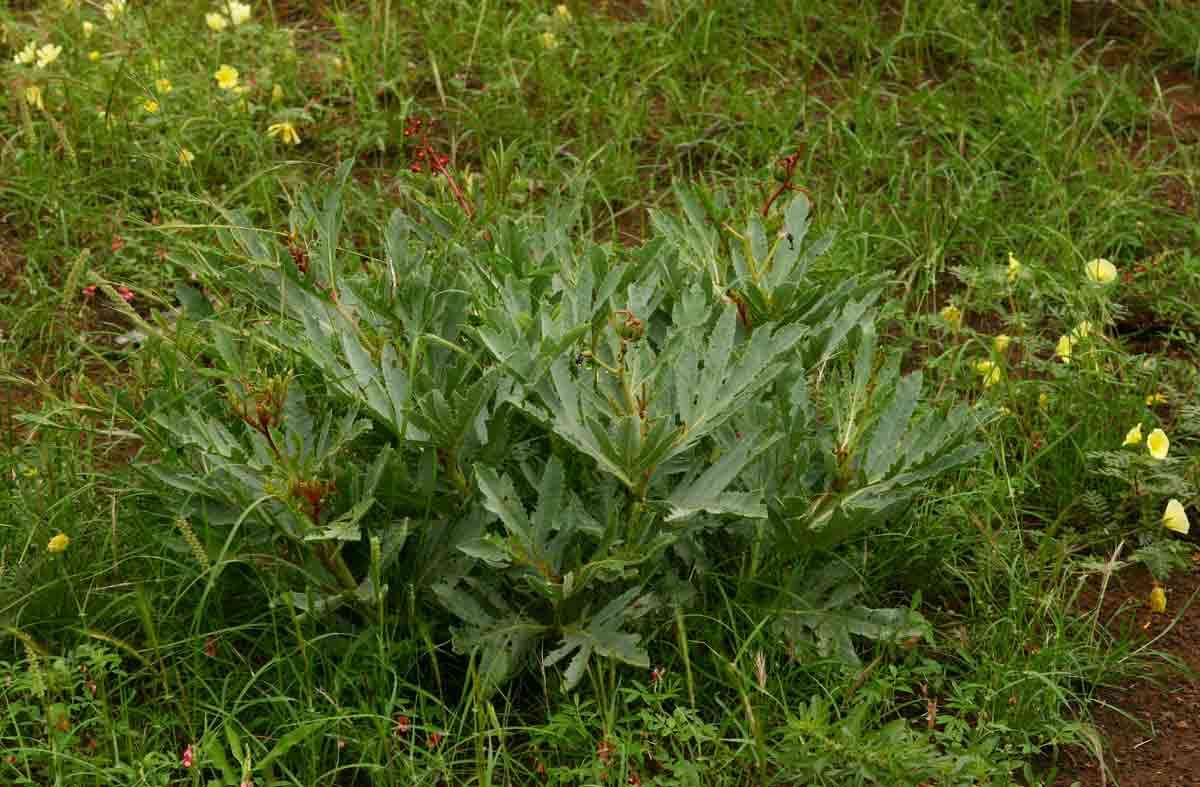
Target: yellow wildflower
{"x": 549, "y": 40}
{"x": 952, "y": 316}
{"x": 1064, "y": 347}
{"x": 113, "y": 9}
{"x": 285, "y": 131}
{"x": 989, "y": 371}
{"x": 33, "y": 97}
{"x": 88, "y": 29}
{"x": 150, "y": 105}
{"x": 1158, "y": 599}
{"x": 1082, "y": 330}
{"x": 227, "y": 77}
{"x": 1157, "y": 444}
{"x": 94, "y": 56}
{"x": 563, "y": 13}
{"x": 163, "y": 85}
{"x": 47, "y": 54}
{"x": 1001, "y": 342}
{"x": 58, "y": 544}
{"x": 1101, "y": 271}
{"x": 1014, "y": 268}
{"x": 1133, "y": 436}
{"x": 1155, "y": 398}
{"x": 26, "y": 55}
{"x": 1175, "y": 518}
{"x": 239, "y": 12}
{"x": 216, "y": 22}
{"x": 1043, "y": 400}
{"x": 186, "y": 157}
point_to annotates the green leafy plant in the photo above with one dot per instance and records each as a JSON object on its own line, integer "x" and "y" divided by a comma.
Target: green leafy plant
{"x": 526, "y": 430}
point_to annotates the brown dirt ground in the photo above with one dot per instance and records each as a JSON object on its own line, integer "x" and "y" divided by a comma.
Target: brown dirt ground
{"x": 1149, "y": 726}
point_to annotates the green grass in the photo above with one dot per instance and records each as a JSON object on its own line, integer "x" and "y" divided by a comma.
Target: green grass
{"x": 935, "y": 139}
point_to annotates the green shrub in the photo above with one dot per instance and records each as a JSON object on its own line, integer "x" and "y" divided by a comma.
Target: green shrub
{"x": 543, "y": 439}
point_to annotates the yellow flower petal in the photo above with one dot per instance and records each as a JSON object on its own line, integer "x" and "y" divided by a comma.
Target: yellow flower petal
{"x": 1014, "y": 268}
{"x": 163, "y": 86}
{"x": 186, "y": 157}
{"x": 239, "y": 12}
{"x": 227, "y": 77}
{"x": 1082, "y": 330}
{"x": 549, "y": 40}
{"x": 1133, "y": 436}
{"x": 1000, "y": 342}
{"x": 47, "y": 55}
{"x": 1157, "y": 444}
{"x": 1064, "y": 347}
{"x": 952, "y": 316}
{"x": 59, "y": 543}
{"x": 216, "y": 22}
{"x": 285, "y": 131}
{"x": 989, "y": 371}
{"x": 1101, "y": 271}
{"x": 26, "y": 55}
{"x": 1158, "y": 599}
{"x": 150, "y": 105}
{"x": 113, "y": 9}
{"x": 1175, "y": 518}
{"x": 33, "y": 97}
{"x": 1155, "y": 398}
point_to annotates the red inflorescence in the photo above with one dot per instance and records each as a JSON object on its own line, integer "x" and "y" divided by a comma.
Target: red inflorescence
{"x": 439, "y": 163}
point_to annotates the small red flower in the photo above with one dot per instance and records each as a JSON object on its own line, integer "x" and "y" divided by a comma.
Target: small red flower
{"x": 604, "y": 751}
{"x": 656, "y": 675}
{"x": 89, "y": 290}
{"x": 403, "y": 725}
{"x": 125, "y": 293}
{"x": 435, "y": 738}
{"x": 189, "y": 757}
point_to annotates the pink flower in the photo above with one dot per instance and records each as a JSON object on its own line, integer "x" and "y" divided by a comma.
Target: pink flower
{"x": 125, "y": 293}
{"x": 89, "y": 290}
{"x": 189, "y": 757}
